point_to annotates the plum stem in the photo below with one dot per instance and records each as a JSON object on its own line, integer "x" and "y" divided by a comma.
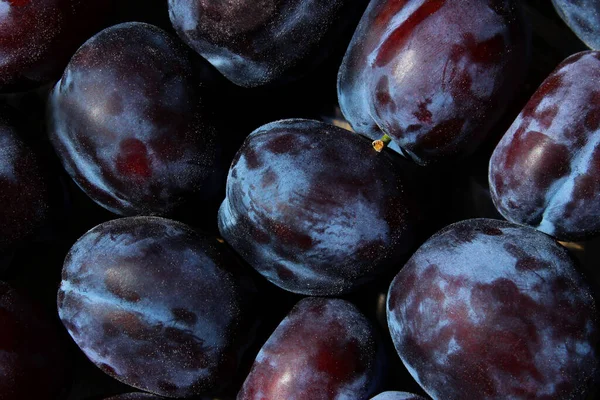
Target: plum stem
{"x": 382, "y": 143}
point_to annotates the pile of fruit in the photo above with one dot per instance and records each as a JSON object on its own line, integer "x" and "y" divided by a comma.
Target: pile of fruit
{"x": 299, "y": 199}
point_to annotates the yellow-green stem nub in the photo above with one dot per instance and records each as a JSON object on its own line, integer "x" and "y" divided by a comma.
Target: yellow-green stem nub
{"x": 382, "y": 143}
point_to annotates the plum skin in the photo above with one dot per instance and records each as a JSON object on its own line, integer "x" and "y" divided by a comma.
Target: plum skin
{"x": 24, "y": 197}
{"x": 32, "y": 356}
{"x": 435, "y": 76}
{"x": 583, "y": 17}
{"x": 157, "y": 306}
{"x": 489, "y": 309}
{"x": 544, "y": 171}
{"x": 264, "y": 42}
{"x": 323, "y": 349}
{"x": 37, "y": 37}
{"x": 145, "y": 148}
{"x": 289, "y": 193}
{"x": 397, "y": 396}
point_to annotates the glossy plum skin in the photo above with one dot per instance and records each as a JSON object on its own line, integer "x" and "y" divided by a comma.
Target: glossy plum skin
{"x": 24, "y": 196}
{"x": 32, "y": 356}
{"x": 254, "y": 43}
{"x": 544, "y": 171}
{"x": 37, "y": 37}
{"x": 583, "y": 17}
{"x": 157, "y": 306}
{"x": 325, "y": 349}
{"x": 315, "y": 209}
{"x": 489, "y": 309}
{"x": 397, "y": 396}
{"x": 128, "y": 124}
{"x": 435, "y": 76}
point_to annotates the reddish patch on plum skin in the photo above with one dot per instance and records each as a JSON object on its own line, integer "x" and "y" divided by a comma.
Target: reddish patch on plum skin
{"x": 323, "y": 347}
{"x": 539, "y": 173}
{"x": 133, "y": 159}
{"x": 521, "y": 311}
{"x": 398, "y": 38}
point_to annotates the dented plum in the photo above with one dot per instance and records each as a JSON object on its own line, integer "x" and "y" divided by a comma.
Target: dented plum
{"x": 324, "y": 349}
{"x": 435, "y": 76}
{"x": 397, "y": 396}
{"x": 315, "y": 209}
{"x": 545, "y": 170}
{"x": 24, "y": 196}
{"x": 157, "y": 306}
{"x": 583, "y": 17}
{"x": 486, "y": 309}
{"x": 255, "y": 43}
{"x": 32, "y": 355}
{"x": 128, "y": 123}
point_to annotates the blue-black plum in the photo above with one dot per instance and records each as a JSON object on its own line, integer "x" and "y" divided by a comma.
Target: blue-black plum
{"x": 434, "y": 76}
{"x": 128, "y": 123}
{"x": 315, "y": 209}
{"x": 487, "y": 309}
{"x": 24, "y": 196}
{"x": 545, "y": 170}
{"x": 254, "y": 42}
{"x": 37, "y": 37}
{"x": 583, "y": 17}
{"x": 397, "y": 396}
{"x": 32, "y": 357}
{"x": 157, "y": 306}
{"x": 324, "y": 349}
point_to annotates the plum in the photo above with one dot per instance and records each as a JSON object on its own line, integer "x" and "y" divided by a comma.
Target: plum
{"x": 397, "y": 396}
{"x": 24, "y": 197}
{"x": 157, "y": 306}
{"x": 583, "y": 17}
{"x": 262, "y": 42}
{"x": 435, "y": 76}
{"x": 32, "y": 355}
{"x": 487, "y": 309}
{"x": 135, "y": 396}
{"x": 128, "y": 123}
{"x": 37, "y": 37}
{"x": 324, "y": 349}
{"x": 544, "y": 171}
{"x": 315, "y": 209}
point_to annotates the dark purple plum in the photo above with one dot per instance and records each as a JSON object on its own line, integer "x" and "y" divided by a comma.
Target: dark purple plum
{"x": 397, "y": 396}
{"x": 260, "y": 42}
{"x": 32, "y": 355}
{"x": 157, "y": 305}
{"x": 545, "y": 170}
{"x": 434, "y": 76}
{"x": 37, "y": 37}
{"x": 315, "y": 209}
{"x": 24, "y": 196}
{"x": 324, "y": 349}
{"x": 128, "y": 123}
{"x": 583, "y": 17}
{"x": 487, "y": 309}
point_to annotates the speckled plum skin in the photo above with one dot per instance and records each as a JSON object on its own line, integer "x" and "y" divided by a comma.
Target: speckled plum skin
{"x": 157, "y": 306}
{"x": 37, "y": 37}
{"x": 24, "y": 198}
{"x": 487, "y": 309}
{"x": 32, "y": 357}
{"x": 545, "y": 170}
{"x": 583, "y": 17}
{"x": 434, "y": 75}
{"x": 128, "y": 124}
{"x": 258, "y": 42}
{"x": 397, "y": 396}
{"x": 325, "y": 349}
{"x": 315, "y": 209}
